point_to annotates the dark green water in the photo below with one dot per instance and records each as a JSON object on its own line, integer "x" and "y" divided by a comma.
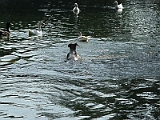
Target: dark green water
{"x": 118, "y": 77}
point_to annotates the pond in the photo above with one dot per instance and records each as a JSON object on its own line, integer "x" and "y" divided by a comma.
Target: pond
{"x": 117, "y": 78}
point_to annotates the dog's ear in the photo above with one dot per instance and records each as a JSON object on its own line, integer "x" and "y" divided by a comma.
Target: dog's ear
{"x": 76, "y": 44}
{"x": 69, "y": 45}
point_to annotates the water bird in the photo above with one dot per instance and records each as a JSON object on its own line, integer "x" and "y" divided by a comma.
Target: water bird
{"x": 117, "y": 5}
{"x": 76, "y": 10}
{"x": 37, "y": 32}
{"x": 6, "y": 33}
{"x": 72, "y": 55}
{"x": 83, "y": 38}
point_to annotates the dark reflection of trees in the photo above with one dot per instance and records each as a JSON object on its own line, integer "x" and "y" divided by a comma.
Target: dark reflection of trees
{"x": 5, "y": 4}
{"x": 19, "y": 5}
{"x": 28, "y": 3}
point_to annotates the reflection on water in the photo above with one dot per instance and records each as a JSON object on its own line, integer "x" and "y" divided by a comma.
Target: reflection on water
{"x": 117, "y": 78}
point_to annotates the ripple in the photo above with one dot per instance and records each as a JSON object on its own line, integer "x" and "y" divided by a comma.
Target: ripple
{"x": 9, "y": 58}
{"x": 24, "y": 55}
{"x": 106, "y": 117}
{"x": 99, "y": 106}
{"x": 103, "y": 95}
{"x": 149, "y": 96}
{"x": 117, "y": 78}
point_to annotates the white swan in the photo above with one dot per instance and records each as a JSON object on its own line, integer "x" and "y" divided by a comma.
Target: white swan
{"x": 72, "y": 55}
{"x": 83, "y": 38}
{"x": 37, "y": 32}
{"x": 76, "y": 10}
{"x": 118, "y": 6}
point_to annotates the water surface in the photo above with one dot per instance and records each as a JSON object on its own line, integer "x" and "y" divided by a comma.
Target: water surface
{"x": 117, "y": 78}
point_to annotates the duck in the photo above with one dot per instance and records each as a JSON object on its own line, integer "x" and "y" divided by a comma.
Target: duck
{"x": 118, "y": 6}
{"x": 76, "y": 10}
{"x": 6, "y": 33}
{"x": 37, "y": 32}
{"x": 72, "y": 55}
{"x": 83, "y": 38}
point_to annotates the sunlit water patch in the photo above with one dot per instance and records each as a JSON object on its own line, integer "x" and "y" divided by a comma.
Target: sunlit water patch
{"x": 117, "y": 77}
